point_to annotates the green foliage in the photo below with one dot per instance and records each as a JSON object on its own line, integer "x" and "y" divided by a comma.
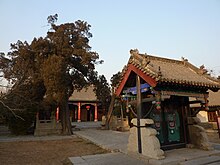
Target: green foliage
{"x": 21, "y": 125}
{"x": 117, "y": 111}
{"x": 115, "y": 79}
{"x": 20, "y": 106}
{"x": 54, "y": 76}
{"x": 50, "y": 68}
{"x": 102, "y": 90}
{"x": 119, "y": 108}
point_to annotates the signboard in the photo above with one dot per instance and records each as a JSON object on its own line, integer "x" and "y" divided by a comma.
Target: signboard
{"x": 143, "y": 87}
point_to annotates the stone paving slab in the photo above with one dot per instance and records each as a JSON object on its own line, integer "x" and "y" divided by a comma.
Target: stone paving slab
{"x": 202, "y": 161}
{"x": 106, "y": 159}
{"x": 185, "y": 155}
{"x": 216, "y": 163}
{"x": 107, "y": 139}
{"x": 188, "y": 154}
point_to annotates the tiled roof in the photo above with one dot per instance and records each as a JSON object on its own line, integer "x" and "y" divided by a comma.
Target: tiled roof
{"x": 86, "y": 94}
{"x": 171, "y": 71}
{"x": 214, "y": 98}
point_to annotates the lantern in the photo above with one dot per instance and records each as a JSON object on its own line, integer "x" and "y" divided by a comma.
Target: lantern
{"x": 87, "y": 107}
{"x": 158, "y": 103}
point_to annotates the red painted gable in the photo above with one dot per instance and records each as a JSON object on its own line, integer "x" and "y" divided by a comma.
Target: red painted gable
{"x": 152, "y": 82}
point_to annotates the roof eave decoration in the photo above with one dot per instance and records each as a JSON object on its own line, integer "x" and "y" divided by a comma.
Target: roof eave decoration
{"x": 202, "y": 71}
{"x": 190, "y": 83}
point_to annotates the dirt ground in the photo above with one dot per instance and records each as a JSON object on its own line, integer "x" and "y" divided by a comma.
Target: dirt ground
{"x": 45, "y": 152}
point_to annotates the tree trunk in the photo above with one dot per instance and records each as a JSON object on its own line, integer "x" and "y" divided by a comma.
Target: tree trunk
{"x": 65, "y": 119}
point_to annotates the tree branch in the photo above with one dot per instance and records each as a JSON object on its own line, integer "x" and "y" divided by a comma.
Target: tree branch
{"x": 11, "y": 110}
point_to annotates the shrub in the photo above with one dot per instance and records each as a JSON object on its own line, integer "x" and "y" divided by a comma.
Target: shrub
{"x": 20, "y": 125}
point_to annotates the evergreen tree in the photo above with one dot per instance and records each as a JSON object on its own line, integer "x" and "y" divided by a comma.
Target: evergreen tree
{"x": 54, "y": 66}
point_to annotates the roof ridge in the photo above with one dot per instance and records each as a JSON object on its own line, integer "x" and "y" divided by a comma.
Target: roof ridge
{"x": 154, "y": 57}
{"x": 183, "y": 61}
{"x": 202, "y": 71}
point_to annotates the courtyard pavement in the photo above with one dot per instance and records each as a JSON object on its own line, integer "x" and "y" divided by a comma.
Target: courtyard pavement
{"x": 116, "y": 142}
{"x": 110, "y": 140}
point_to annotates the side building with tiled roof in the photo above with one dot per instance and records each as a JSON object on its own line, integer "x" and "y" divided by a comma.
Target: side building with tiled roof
{"x": 210, "y": 114}
{"x": 84, "y": 105}
{"x": 166, "y": 86}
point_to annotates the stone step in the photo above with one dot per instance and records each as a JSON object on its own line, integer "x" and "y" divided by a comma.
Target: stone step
{"x": 210, "y": 160}
{"x": 42, "y": 132}
{"x": 48, "y": 126}
{"x": 44, "y": 128}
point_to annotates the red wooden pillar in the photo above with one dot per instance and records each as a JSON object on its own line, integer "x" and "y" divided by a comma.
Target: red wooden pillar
{"x": 57, "y": 113}
{"x": 96, "y": 112}
{"x": 79, "y": 112}
{"x": 75, "y": 114}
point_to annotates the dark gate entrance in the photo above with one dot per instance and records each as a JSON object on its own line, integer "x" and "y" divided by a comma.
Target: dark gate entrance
{"x": 170, "y": 124}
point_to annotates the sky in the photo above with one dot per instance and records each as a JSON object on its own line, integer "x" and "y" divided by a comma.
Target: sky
{"x": 164, "y": 28}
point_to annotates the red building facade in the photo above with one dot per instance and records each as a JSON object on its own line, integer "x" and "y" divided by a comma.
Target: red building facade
{"x": 84, "y": 106}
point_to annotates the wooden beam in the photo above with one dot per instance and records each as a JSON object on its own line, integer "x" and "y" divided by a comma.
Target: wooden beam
{"x": 152, "y": 82}
{"x": 195, "y": 101}
{"x": 111, "y": 107}
{"x": 122, "y": 84}
{"x": 134, "y": 102}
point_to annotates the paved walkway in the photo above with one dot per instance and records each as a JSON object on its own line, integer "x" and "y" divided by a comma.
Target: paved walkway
{"x": 106, "y": 159}
{"x": 116, "y": 142}
{"x": 111, "y": 140}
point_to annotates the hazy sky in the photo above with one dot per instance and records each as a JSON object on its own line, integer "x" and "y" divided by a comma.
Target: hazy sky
{"x": 166, "y": 28}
